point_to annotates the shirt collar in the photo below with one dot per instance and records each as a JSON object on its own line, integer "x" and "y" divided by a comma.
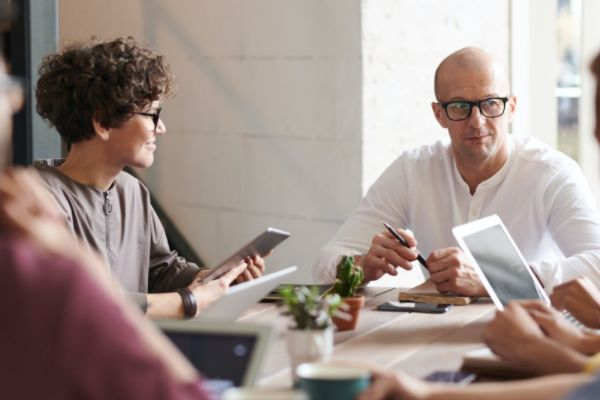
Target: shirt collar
{"x": 493, "y": 180}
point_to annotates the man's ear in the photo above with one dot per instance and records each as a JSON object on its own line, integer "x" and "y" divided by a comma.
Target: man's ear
{"x": 511, "y": 106}
{"x": 437, "y": 112}
{"x": 102, "y": 132}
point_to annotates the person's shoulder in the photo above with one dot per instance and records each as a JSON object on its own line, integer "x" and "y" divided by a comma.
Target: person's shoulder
{"x": 537, "y": 154}
{"x": 46, "y": 169}
{"x": 26, "y": 267}
{"x": 125, "y": 180}
{"x": 434, "y": 152}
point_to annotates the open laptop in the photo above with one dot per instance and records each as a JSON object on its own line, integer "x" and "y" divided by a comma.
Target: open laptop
{"x": 221, "y": 351}
{"x": 243, "y": 295}
{"x": 498, "y": 262}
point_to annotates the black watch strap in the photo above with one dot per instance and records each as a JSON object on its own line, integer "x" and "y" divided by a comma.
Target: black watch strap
{"x": 190, "y": 307}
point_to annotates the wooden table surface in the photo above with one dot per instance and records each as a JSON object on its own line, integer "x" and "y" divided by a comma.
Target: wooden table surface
{"x": 414, "y": 343}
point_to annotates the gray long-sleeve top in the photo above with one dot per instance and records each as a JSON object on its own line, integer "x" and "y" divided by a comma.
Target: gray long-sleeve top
{"x": 122, "y": 226}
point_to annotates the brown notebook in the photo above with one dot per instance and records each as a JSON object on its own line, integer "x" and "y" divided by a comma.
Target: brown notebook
{"x": 433, "y": 298}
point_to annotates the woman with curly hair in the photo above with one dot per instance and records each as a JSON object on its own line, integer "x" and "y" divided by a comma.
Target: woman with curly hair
{"x": 104, "y": 100}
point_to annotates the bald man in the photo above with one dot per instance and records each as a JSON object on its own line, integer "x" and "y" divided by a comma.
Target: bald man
{"x": 540, "y": 194}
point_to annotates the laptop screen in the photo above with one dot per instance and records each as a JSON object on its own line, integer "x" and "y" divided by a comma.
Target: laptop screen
{"x": 217, "y": 356}
{"x": 501, "y": 264}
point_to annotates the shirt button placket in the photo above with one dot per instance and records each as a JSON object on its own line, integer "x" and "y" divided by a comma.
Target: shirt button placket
{"x": 475, "y": 207}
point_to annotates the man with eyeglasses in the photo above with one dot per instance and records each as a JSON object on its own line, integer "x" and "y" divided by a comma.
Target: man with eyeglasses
{"x": 540, "y": 194}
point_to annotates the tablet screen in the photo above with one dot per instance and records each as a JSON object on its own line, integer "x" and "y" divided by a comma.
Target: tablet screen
{"x": 217, "y": 356}
{"x": 501, "y": 264}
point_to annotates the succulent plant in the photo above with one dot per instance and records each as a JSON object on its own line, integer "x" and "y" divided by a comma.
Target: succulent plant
{"x": 308, "y": 308}
{"x": 349, "y": 277}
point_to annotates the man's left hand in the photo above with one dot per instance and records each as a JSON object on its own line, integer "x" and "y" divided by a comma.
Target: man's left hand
{"x": 451, "y": 271}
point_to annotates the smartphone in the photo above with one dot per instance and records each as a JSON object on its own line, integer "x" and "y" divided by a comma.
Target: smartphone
{"x": 260, "y": 245}
{"x": 459, "y": 377}
{"x": 414, "y": 307}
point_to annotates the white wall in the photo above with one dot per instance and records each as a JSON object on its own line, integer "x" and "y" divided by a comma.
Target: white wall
{"x": 275, "y": 121}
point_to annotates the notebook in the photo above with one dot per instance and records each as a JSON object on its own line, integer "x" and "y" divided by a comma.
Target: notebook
{"x": 221, "y": 351}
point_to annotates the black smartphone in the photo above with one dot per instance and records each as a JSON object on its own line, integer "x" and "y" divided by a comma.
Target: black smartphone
{"x": 413, "y": 307}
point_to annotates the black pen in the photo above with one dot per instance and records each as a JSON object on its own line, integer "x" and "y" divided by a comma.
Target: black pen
{"x": 404, "y": 243}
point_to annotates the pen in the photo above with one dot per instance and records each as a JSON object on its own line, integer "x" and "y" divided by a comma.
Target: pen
{"x": 404, "y": 243}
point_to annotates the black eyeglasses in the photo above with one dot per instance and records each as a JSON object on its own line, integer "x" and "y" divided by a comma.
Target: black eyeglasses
{"x": 492, "y": 107}
{"x": 155, "y": 116}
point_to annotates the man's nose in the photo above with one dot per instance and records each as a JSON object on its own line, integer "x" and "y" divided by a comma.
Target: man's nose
{"x": 476, "y": 119}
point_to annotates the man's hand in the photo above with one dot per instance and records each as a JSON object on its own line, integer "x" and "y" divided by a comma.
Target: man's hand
{"x": 515, "y": 336}
{"x": 581, "y": 298}
{"x": 207, "y": 293}
{"x": 255, "y": 269}
{"x": 452, "y": 272}
{"x": 386, "y": 254}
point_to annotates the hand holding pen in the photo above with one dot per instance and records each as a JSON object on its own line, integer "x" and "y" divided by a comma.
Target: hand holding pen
{"x": 404, "y": 243}
{"x": 386, "y": 254}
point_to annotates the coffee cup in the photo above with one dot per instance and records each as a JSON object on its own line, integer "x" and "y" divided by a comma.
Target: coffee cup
{"x": 254, "y": 393}
{"x": 326, "y": 381}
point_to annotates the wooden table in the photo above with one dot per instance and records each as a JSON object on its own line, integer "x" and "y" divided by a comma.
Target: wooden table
{"x": 410, "y": 342}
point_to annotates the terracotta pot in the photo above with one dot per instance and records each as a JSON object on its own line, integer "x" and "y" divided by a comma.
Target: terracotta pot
{"x": 354, "y": 305}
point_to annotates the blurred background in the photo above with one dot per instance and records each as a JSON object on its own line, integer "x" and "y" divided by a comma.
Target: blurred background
{"x": 286, "y": 111}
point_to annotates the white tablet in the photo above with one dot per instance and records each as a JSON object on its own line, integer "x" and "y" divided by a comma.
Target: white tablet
{"x": 500, "y": 265}
{"x": 244, "y": 295}
{"x": 260, "y": 245}
{"x": 231, "y": 352}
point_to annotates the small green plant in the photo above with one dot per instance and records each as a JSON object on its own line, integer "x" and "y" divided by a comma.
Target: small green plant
{"x": 349, "y": 277}
{"x": 308, "y": 308}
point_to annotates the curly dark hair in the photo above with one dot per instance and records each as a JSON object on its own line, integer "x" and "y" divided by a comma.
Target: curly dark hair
{"x": 104, "y": 81}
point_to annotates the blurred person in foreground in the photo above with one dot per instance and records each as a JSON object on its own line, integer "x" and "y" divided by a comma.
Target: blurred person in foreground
{"x": 104, "y": 98}
{"x": 67, "y": 331}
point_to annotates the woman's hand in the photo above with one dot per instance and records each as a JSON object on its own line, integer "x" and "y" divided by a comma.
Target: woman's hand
{"x": 209, "y": 292}
{"x": 255, "y": 267}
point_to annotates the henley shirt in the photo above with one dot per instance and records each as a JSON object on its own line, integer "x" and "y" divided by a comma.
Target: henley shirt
{"x": 540, "y": 194}
{"x": 121, "y": 224}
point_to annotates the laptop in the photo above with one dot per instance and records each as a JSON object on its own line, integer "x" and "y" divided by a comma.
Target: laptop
{"x": 243, "y": 295}
{"x": 498, "y": 262}
{"x": 221, "y": 351}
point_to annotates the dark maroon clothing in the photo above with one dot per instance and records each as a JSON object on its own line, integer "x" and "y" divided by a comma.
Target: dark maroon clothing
{"x": 62, "y": 337}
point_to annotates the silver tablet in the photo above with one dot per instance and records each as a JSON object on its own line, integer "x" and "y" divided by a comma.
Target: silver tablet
{"x": 500, "y": 265}
{"x": 260, "y": 245}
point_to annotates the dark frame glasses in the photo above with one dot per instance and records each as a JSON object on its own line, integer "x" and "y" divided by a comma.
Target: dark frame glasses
{"x": 155, "y": 116}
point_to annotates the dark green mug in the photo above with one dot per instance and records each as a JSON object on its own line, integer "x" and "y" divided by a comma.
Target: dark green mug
{"x": 326, "y": 381}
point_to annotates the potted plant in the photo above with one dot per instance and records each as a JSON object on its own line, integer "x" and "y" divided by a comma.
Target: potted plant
{"x": 349, "y": 278}
{"x": 311, "y": 338}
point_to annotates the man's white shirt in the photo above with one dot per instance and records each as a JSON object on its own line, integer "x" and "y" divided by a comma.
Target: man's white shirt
{"x": 540, "y": 194}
